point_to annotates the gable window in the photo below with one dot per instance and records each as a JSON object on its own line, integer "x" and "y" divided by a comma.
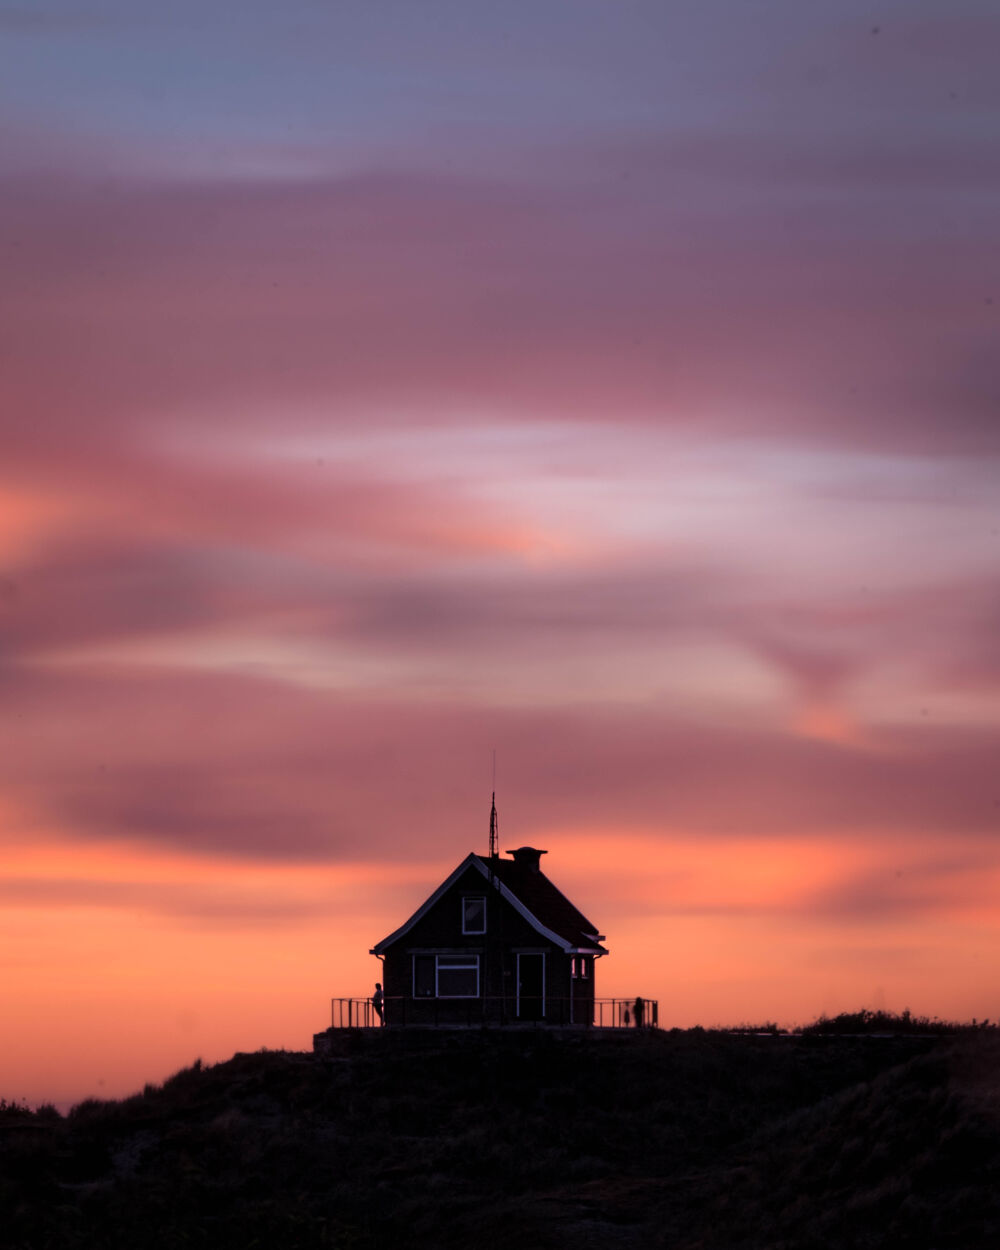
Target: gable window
{"x": 473, "y": 914}
{"x": 445, "y": 976}
{"x": 580, "y": 967}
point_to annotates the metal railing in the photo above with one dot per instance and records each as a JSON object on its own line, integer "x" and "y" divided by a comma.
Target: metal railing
{"x": 405, "y": 1012}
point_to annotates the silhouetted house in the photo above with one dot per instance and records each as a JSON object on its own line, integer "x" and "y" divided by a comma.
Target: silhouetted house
{"x": 496, "y": 940}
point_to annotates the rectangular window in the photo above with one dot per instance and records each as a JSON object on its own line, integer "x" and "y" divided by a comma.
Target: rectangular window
{"x": 445, "y": 976}
{"x": 458, "y": 976}
{"x": 474, "y": 914}
{"x": 580, "y": 968}
{"x": 424, "y": 976}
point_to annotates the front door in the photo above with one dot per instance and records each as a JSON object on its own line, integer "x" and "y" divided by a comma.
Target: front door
{"x": 531, "y": 987}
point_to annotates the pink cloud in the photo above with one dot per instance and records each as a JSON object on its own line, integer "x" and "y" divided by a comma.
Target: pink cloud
{"x": 395, "y": 293}
{"x": 255, "y": 768}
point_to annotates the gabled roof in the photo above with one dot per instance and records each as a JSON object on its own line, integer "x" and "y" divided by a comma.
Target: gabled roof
{"x": 544, "y": 901}
{"x": 531, "y": 894}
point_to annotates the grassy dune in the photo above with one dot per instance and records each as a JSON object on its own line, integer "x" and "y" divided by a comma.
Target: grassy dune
{"x": 682, "y": 1140}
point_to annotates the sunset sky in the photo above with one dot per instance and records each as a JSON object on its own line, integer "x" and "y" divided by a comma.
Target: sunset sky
{"x": 615, "y": 386}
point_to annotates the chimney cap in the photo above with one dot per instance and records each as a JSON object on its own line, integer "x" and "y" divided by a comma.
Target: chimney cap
{"x": 528, "y": 857}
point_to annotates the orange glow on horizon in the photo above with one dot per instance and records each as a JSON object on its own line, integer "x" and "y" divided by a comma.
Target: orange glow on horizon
{"x": 175, "y": 955}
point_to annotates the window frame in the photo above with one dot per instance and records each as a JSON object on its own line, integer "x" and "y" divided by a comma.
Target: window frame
{"x": 473, "y": 898}
{"x": 455, "y": 963}
{"x": 458, "y": 961}
{"x": 433, "y": 978}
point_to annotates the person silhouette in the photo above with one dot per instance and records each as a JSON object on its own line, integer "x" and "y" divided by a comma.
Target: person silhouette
{"x": 377, "y": 999}
{"x": 638, "y": 1009}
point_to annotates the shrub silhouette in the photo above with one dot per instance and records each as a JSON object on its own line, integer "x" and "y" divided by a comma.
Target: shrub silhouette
{"x": 865, "y": 1021}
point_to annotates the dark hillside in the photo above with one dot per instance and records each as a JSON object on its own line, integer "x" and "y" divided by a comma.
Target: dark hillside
{"x": 529, "y": 1140}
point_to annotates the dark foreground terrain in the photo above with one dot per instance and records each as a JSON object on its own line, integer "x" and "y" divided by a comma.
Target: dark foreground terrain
{"x": 529, "y": 1140}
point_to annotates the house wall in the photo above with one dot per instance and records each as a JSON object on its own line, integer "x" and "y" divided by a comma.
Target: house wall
{"x": 439, "y": 933}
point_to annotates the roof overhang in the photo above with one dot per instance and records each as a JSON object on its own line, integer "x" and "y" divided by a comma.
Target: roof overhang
{"x": 425, "y": 907}
{"x": 472, "y": 860}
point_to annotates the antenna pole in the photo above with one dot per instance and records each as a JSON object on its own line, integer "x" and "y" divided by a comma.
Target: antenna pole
{"x": 494, "y": 845}
{"x": 493, "y": 901}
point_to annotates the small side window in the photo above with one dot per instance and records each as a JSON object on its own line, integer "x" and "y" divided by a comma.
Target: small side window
{"x": 424, "y": 976}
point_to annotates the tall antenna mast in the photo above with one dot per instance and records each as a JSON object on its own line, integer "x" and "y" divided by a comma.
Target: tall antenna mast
{"x": 493, "y": 900}
{"x": 494, "y": 840}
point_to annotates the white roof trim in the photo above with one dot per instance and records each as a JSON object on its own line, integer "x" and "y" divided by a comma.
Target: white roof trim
{"x": 472, "y": 860}
{"x": 425, "y": 907}
{"x": 518, "y": 906}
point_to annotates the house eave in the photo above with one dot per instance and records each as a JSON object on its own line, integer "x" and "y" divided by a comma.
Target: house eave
{"x": 472, "y": 860}
{"x": 565, "y": 946}
{"x": 380, "y": 947}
